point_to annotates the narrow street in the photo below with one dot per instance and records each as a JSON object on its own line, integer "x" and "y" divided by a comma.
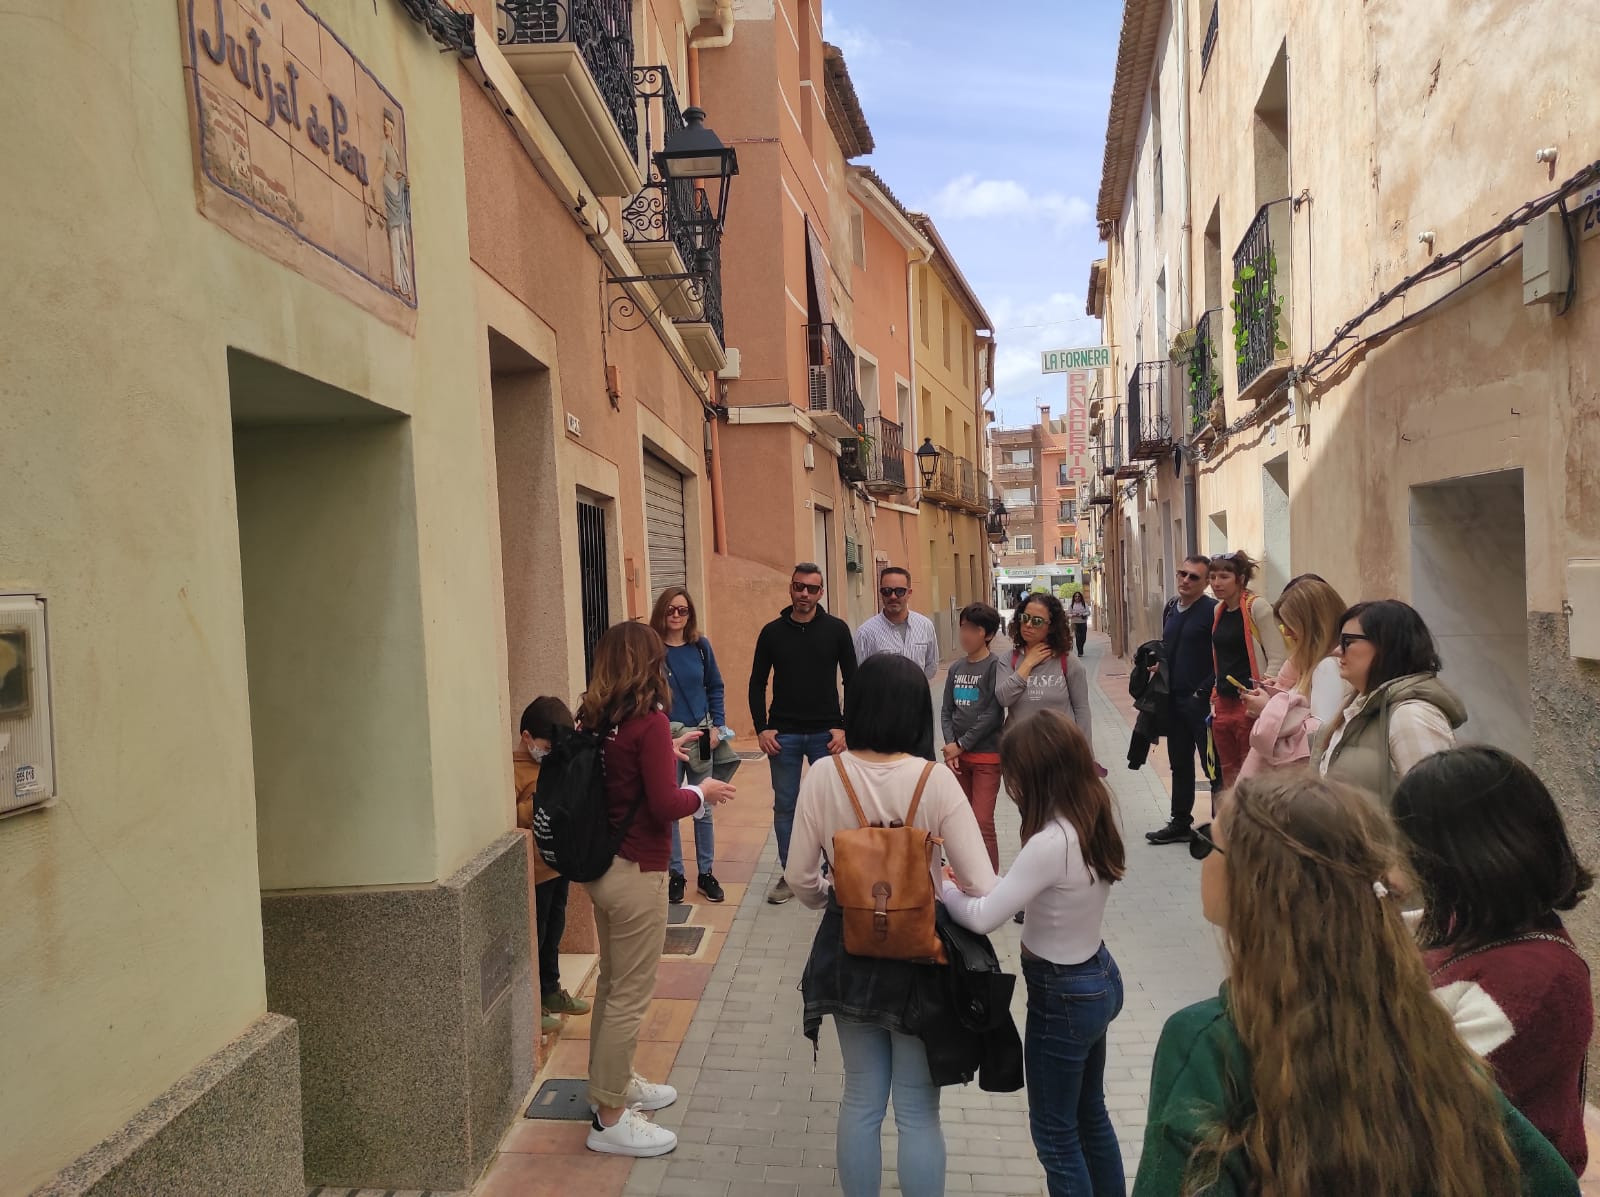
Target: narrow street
{"x": 756, "y": 1116}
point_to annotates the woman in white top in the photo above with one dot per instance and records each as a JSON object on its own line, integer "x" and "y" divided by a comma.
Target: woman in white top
{"x": 888, "y": 713}
{"x": 1071, "y": 853}
{"x": 1308, "y": 683}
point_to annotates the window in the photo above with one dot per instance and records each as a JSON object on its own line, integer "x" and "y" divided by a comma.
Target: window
{"x": 1022, "y": 543}
{"x": 922, "y": 304}
{"x": 902, "y": 401}
{"x": 1067, "y": 511}
{"x": 1061, "y": 475}
{"x": 1066, "y": 549}
{"x": 966, "y": 354}
{"x": 858, "y": 238}
{"x": 867, "y": 383}
{"x": 1018, "y": 496}
{"x": 1017, "y": 457}
{"x": 944, "y": 328}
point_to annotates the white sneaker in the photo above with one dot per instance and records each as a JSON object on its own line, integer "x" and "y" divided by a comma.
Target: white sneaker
{"x": 644, "y": 1095}
{"x": 633, "y": 1134}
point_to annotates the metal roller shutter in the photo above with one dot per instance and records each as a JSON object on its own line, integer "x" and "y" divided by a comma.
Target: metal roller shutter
{"x": 664, "y": 525}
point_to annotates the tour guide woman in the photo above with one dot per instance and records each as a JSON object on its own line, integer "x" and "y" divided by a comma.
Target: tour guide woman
{"x": 887, "y": 714}
{"x": 1401, "y": 713}
{"x": 1047, "y": 675}
{"x": 1326, "y": 1065}
{"x": 627, "y": 694}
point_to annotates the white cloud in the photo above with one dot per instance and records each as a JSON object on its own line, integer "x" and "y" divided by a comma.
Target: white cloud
{"x": 1024, "y": 330}
{"x": 856, "y": 43}
{"x": 968, "y": 197}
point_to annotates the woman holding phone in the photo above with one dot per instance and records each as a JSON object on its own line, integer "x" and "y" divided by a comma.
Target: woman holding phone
{"x": 1245, "y": 645}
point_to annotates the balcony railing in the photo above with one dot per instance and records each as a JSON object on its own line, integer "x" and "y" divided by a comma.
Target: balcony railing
{"x": 1205, "y": 383}
{"x": 886, "y": 463}
{"x": 1210, "y": 43}
{"x": 832, "y": 399}
{"x": 602, "y": 32}
{"x": 1149, "y": 412}
{"x": 969, "y": 480}
{"x": 708, "y": 290}
{"x": 658, "y": 215}
{"x": 1259, "y": 317}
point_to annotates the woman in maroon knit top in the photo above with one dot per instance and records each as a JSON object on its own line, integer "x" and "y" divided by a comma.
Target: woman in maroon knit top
{"x": 627, "y": 693}
{"x": 1495, "y": 863}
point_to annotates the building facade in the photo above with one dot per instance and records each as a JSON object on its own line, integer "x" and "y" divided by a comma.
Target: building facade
{"x": 1387, "y": 370}
{"x": 1016, "y": 457}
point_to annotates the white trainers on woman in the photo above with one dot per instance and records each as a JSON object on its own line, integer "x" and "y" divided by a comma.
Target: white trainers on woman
{"x": 633, "y": 1134}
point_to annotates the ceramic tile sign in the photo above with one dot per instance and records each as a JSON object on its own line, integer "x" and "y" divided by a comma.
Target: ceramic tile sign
{"x": 300, "y": 150}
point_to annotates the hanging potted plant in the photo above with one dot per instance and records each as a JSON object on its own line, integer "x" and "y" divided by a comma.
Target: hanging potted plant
{"x": 853, "y": 457}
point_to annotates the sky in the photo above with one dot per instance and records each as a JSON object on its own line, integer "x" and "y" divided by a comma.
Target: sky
{"x": 996, "y": 128}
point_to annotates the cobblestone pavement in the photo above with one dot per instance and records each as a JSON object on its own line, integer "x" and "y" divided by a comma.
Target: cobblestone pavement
{"x": 757, "y": 1116}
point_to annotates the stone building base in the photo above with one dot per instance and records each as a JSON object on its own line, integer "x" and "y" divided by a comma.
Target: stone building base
{"x": 232, "y": 1125}
{"x": 416, "y": 1015}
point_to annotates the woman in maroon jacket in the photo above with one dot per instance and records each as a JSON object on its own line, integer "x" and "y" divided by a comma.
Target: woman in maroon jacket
{"x": 627, "y": 693}
{"x": 1492, "y": 854}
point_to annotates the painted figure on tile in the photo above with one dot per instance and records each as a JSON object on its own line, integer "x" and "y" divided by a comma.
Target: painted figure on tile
{"x": 397, "y": 207}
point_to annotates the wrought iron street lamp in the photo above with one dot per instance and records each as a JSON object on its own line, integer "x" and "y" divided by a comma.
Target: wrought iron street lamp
{"x": 997, "y": 523}
{"x": 695, "y": 154}
{"x": 927, "y": 461}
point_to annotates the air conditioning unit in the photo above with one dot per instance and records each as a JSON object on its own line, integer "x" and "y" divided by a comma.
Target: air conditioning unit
{"x": 819, "y": 388}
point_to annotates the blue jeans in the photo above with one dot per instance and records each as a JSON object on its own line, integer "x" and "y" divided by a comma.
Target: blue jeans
{"x": 794, "y": 748}
{"x": 876, "y": 1063}
{"x": 705, "y": 845}
{"x": 1070, "y": 1007}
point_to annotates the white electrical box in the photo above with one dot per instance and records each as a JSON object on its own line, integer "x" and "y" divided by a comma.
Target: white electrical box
{"x": 1546, "y": 267}
{"x": 1583, "y": 605}
{"x": 27, "y": 737}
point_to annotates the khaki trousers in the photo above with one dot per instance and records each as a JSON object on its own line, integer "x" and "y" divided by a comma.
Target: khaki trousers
{"x": 630, "y": 917}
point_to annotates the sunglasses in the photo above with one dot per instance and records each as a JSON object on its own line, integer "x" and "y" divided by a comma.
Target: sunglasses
{"x": 1035, "y": 621}
{"x": 1346, "y": 639}
{"x": 894, "y": 591}
{"x": 677, "y": 610}
{"x": 1193, "y": 577}
{"x": 806, "y": 587}
{"x": 1201, "y": 845}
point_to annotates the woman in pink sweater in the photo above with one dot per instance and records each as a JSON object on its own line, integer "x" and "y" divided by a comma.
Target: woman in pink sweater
{"x": 1490, "y": 849}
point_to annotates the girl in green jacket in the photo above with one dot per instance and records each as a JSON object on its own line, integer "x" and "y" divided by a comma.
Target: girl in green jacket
{"x": 1326, "y": 1066}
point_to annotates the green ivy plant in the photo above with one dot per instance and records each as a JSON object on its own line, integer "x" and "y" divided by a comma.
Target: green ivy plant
{"x": 1205, "y": 384}
{"x": 1253, "y": 305}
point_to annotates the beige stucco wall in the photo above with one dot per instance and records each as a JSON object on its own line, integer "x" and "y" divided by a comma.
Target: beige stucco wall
{"x": 131, "y": 946}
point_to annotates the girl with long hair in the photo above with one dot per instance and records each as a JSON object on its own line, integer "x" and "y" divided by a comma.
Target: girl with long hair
{"x": 1401, "y": 711}
{"x": 697, "y": 690}
{"x": 1245, "y": 647}
{"x": 1071, "y": 854}
{"x": 1045, "y": 673}
{"x": 626, "y": 701}
{"x": 1308, "y": 691}
{"x": 1078, "y": 616}
{"x": 1325, "y": 1066}
{"x": 1496, "y": 867}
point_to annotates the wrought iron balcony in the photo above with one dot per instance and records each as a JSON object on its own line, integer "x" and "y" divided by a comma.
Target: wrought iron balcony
{"x": 1149, "y": 412}
{"x": 576, "y": 59}
{"x": 832, "y": 400}
{"x": 969, "y": 480}
{"x": 945, "y": 486}
{"x": 886, "y": 461}
{"x": 1260, "y": 289}
{"x": 1210, "y": 44}
{"x": 702, "y": 328}
{"x": 1204, "y": 390}
{"x": 657, "y": 222}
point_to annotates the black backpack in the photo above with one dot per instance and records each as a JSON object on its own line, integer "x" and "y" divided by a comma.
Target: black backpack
{"x": 571, "y": 823}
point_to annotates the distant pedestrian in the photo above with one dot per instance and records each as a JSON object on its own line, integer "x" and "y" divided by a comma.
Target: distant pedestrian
{"x": 1078, "y": 614}
{"x": 1045, "y": 673}
{"x": 541, "y": 720}
{"x": 1246, "y": 646}
{"x": 628, "y": 694}
{"x": 899, "y": 630}
{"x": 697, "y": 702}
{"x": 807, "y": 653}
{"x": 1325, "y": 1066}
{"x": 972, "y": 718}
{"x": 870, "y": 999}
{"x": 1071, "y": 854}
{"x": 1496, "y": 868}
{"x": 1401, "y": 711}
{"x": 1308, "y": 691}
{"x": 1191, "y": 670}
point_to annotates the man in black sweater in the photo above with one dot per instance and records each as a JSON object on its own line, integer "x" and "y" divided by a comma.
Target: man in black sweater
{"x": 806, "y": 651}
{"x": 1186, "y": 637}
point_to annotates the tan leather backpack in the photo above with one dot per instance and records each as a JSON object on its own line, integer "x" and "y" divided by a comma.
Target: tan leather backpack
{"x": 883, "y": 882}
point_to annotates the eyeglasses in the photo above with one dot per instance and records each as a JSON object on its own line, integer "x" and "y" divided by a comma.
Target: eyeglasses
{"x": 1346, "y": 639}
{"x": 806, "y": 587}
{"x": 677, "y": 610}
{"x": 1201, "y": 845}
{"x": 1193, "y": 577}
{"x": 1035, "y": 621}
{"x": 894, "y": 591}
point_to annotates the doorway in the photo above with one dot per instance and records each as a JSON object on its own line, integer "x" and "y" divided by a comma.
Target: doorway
{"x": 821, "y": 534}
{"x": 1275, "y": 573}
{"x": 665, "y": 525}
{"x": 1469, "y": 581}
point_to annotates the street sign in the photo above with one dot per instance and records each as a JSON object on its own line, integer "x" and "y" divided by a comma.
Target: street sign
{"x": 1059, "y": 361}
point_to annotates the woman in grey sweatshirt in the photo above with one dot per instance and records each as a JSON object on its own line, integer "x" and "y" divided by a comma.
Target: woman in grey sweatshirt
{"x": 1045, "y": 673}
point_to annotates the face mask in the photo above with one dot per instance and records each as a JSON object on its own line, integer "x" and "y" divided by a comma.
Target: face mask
{"x": 537, "y": 753}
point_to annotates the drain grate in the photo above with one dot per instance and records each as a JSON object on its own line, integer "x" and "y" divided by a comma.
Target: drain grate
{"x": 563, "y": 1099}
{"x": 677, "y": 914}
{"x": 683, "y": 941}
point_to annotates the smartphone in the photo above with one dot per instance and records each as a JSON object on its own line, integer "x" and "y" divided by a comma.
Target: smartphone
{"x": 702, "y": 746}
{"x": 1236, "y": 683}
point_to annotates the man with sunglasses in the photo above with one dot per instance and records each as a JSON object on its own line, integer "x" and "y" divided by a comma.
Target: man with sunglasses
{"x": 1191, "y": 671}
{"x": 899, "y": 630}
{"x": 807, "y": 653}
